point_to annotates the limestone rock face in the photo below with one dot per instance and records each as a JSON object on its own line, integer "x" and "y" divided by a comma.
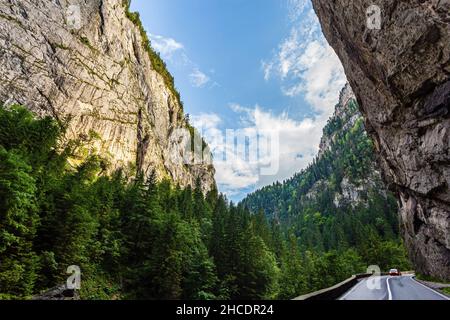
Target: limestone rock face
{"x": 401, "y": 77}
{"x": 95, "y": 72}
{"x": 343, "y": 112}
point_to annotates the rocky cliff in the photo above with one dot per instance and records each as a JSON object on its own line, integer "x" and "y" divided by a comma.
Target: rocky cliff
{"x": 346, "y": 123}
{"x": 89, "y": 63}
{"x": 400, "y": 73}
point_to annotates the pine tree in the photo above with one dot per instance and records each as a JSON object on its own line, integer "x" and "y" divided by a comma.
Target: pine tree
{"x": 200, "y": 208}
{"x": 261, "y": 227}
{"x": 186, "y": 203}
{"x": 18, "y": 222}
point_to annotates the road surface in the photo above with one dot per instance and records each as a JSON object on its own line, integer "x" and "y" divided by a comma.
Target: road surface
{"x": 392, "y": 288}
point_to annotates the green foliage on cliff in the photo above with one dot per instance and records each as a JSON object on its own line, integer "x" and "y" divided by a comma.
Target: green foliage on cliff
{"x": 157, "y": 62}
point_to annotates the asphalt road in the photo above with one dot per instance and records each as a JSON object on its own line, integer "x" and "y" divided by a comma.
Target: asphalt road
{"x": 392, "y": 288}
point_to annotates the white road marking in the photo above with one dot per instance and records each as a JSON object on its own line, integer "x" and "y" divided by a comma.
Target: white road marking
{"x": 390, "y": 296}
{"x": 389, "y": 288}
{"x": 434, "y": 291}
{"x": 353, "y": 289}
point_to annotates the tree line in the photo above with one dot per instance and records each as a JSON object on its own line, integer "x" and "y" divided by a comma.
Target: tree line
{"x": 138, "y": 238}
{"x": 310, "y": 206}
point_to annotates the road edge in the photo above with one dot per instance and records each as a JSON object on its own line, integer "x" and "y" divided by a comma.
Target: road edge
{"x": 437, "y": 291}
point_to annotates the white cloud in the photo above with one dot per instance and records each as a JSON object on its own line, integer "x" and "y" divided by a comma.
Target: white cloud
{"x": 298, "y": 140}
{"x": 174, "y": 51}
{"x": 305, "y": 62}
{"x": 306, "y": 66}
{"x": 296, "y": 7}
{"x": 198, "y": 78}
{"x": 165, "y": 46}
{"x": 206, "y": 121}
{"x": 298, "y": 145}
{"x": 320, "y": 77}
{"x": 267, "y": 68}
{"x": 233, "y": 174}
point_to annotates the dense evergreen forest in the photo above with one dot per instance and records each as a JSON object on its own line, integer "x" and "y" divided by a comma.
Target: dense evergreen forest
{"x": 339, "y": 203}
{"x": 137, "y": 238}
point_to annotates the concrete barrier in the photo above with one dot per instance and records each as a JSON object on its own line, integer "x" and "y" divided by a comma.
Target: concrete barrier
{"x": 335, "y": 291}
{"x": 408, "y": 272}
{"x": 58, "y": 293}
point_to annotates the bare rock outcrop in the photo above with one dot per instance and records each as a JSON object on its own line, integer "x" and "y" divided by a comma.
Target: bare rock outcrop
{"x": 400, "y": 74}
{"x": 85, "y": 61}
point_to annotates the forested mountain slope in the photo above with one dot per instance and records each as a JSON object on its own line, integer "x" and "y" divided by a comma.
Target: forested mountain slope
{"x": 339, "y": 201}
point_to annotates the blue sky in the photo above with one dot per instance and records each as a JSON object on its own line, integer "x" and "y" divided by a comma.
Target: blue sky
{"x": 249, "y": 65}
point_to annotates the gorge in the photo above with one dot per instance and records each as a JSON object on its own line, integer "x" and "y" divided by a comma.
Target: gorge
{"x": 91, "y": 173}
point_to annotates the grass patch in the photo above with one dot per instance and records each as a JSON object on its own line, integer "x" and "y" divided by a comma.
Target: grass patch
{"x": 61, "y": 46}
{"x": 423, "y": 277}
{"x": 446, "y": 291}
{"x": 87, "y": 43}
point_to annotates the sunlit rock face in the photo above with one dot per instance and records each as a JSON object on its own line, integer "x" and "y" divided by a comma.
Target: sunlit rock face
{"x": 84, "y": 61}
{"x": 400, "y": 74}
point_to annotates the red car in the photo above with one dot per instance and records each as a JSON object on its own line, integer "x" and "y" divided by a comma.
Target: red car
{"x": 394, "y": 272}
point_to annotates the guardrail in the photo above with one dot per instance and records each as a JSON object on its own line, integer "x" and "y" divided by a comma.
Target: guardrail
{"x": 335, "y": 291}
{"x": 339, "y": 289}
{"x": 58, "y": 293}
